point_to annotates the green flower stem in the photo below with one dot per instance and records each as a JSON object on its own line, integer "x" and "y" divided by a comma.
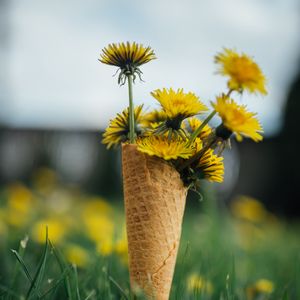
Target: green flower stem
{"x": 198, "y": 155}
{"x": 131, "y": 111}
{"x": 199, "y": 129}
{"x": 205, "y": 122}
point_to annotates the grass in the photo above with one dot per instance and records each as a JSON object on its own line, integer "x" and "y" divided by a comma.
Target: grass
{"x": 240, "y": 253}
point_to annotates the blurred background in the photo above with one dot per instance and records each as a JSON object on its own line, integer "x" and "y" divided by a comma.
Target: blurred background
{"x": 56, "y": 98}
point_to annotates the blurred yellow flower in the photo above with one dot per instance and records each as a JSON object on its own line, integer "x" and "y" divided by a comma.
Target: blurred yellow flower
{"x": 243, "y": 72}
{"x": 99, "y": 228}
{"x": 16, "y": 218}
{"x": 249, "y": 235}
{"x": 57, "y": 230}
{"x": 161, "y": 146}
{"x": 118, "y": 129}
{"x": 197, "y": 283}
{"x": 20, "y": 203}
{"x": 249, "y": 209}
{"x": 105, "y": 246}
{"x": 20, "y": 198}
{"x": 44, "y": 180}
{"x": 121, "y": 248}
{"x": 77, "y": 255}
{"x": 262, "y": 286}
{"x": 236, "y": 119}
{"x": 96, "y": 206}
{"x": 128, "y": 57}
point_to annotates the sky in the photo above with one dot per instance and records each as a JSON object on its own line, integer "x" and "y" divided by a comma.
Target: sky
{"x": 54, "y": 79}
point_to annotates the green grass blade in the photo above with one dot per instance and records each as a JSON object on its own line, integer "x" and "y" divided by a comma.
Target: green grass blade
{"x": 8, "y": 292}
{"x": 179, "y": 290}
{"x": 57, "y": 283}
{"x": 285, "y": 295}
{"x": 91, "y": 294}
{"x": 76, "y": 283}
{"x": 21, "y": 251}
{"x": 122, "y": 292}
{"x": 23, "y": 265}
{"x": 63, "y": 266}
{"x": 35, "y": 285}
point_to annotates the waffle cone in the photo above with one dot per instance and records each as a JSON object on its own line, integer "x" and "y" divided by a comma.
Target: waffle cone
{"x": 154, "y": 204}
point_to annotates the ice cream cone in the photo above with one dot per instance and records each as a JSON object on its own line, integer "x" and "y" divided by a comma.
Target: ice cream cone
{"x": 154, "y": 203}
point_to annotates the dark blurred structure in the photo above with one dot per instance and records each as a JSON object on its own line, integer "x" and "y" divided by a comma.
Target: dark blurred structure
{"x": 78, "y": 157}
{"x": 270, "y": 170}
{"x": 287, "y": 194}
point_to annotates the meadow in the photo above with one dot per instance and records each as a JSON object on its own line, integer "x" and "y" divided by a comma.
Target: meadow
{"x": 58, "y": 242}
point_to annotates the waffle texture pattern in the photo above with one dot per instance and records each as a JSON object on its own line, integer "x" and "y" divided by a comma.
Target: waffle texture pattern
{"x": 154, "y": 203}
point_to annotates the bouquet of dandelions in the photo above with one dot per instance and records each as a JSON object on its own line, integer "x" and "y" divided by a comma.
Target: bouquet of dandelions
{"x": 169, "y": 150}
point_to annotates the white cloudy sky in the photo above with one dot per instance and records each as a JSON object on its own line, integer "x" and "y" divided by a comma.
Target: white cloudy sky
{"x": 55, "y": 80}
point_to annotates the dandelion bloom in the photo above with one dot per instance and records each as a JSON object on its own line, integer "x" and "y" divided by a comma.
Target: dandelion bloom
{"x": 260, "y": 287}
{"x": 57, "y": 230}
{"x": 236, "y": 119}
{"x": 243, "y": 72}
{"x": 194, "y": 123}
{"x": 154, "y": 118}
{"x": 177, "y": 104}
{"x": 211, "y": 166}
{"x": 249, "y": 209}
{"x": 198, "y": 283}
{"x": 162, "y": 147}
{"x": 118, "y": 129}
{"x": 77, "y": 255}
{"x": 128, "y": 57}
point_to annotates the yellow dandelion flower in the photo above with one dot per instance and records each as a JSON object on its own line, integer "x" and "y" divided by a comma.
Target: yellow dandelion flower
{"x": 96, "y": 206}
{"x": 56, "y": 230}
{"x": 16, "y": 218}
{"x": 197, "y": 283}
{"x": 105, "y": 247}
{"x": 211, "y": 166}
{"x": 249, "y": 209}
{"x": 243, "y": 72}
{"x": 236, "y": 119}
{"x": 260, "y": 287}
{"x": 118, "y": 129}
{"x": 99, "y": 228}
{"x": 177, "y": 104}
{"x": 20, "y": 198}
{"x": 162, "y": 147}
{"x": 128, "y": 57}
{"x": 154, "y": 118}
{"x": 194, "y": 124}
{"x": 77, "y": 255}
{"x": 264, "y": 286}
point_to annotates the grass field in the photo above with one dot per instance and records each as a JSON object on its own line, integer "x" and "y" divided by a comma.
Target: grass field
{"x": 243, "y": 252}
